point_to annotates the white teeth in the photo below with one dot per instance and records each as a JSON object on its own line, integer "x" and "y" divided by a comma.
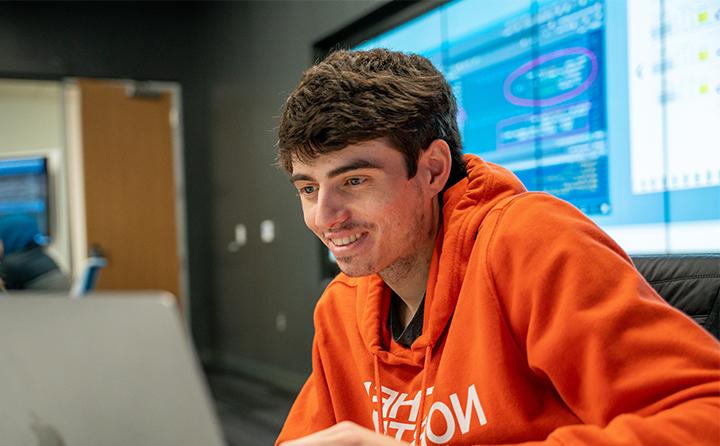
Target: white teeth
{"x": 345, "y": 241}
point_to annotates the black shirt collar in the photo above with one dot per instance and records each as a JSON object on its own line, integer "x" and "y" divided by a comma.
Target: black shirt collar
{"x": 405, "y": 336}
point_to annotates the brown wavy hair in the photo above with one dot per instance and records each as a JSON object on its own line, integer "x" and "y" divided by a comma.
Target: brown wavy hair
{"x": 357, "y": 96}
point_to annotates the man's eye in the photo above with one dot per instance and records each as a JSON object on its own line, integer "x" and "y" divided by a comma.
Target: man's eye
{"x": 307, "y": 190}
{"x": 355, "y": 181}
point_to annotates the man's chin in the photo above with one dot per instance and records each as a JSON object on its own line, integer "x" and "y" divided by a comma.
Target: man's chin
{"x": 347, "y": 267}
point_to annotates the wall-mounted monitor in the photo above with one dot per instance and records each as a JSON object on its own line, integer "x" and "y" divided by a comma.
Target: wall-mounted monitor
{"x": 611, "y": 105}
{"x": 24, "y": 190}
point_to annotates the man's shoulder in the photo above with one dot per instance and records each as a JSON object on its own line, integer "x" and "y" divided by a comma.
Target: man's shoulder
{"x": 538, "y": 209}
{"x": 530, "y": 220}
{"x": 534, "y": 224}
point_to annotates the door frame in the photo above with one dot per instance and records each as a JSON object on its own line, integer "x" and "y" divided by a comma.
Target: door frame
{"x": 75, "y": 186}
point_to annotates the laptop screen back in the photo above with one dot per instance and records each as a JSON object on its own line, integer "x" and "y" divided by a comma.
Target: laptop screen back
{"x": 111, "y": 370}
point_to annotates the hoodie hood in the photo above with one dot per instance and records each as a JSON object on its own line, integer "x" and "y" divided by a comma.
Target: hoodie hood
{"x": 465, "y": 206}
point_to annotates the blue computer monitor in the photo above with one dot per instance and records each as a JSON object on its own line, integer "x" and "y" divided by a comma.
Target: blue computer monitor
{"x": 24, "y": 190}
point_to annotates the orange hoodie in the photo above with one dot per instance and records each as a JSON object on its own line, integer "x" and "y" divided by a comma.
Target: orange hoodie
{"x": 537, "y": 331}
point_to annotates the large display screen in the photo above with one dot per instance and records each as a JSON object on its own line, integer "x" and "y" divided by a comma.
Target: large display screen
{"x": 611, "y": 105}
{"x": 24, "y": 190}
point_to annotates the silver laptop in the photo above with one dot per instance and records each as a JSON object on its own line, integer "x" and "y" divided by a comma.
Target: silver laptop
{"x": 101, "y": 371}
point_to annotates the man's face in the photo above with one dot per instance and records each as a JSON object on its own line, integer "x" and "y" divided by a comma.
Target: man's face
{"x": 361, "y": 204}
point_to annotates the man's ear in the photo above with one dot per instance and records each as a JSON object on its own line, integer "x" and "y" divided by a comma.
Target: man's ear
{"x": 436, "y": 161}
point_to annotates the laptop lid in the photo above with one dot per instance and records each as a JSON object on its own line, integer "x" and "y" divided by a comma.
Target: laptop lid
{"x": 107, "y": 370}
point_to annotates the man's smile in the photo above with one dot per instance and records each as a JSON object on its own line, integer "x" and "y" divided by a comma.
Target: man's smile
{"x": 345, "y": 240}
{"x": 347, "y": 244}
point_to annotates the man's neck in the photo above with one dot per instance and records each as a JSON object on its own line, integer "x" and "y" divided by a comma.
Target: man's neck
{"x": 408, "y": 277}
{"x": 411, "y": 290}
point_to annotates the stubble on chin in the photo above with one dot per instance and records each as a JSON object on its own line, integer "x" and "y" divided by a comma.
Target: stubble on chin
{"x": 401, "y": 268}
{"x": 349, "y": 269}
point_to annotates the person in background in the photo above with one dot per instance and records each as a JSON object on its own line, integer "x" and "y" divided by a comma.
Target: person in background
{"x": 469, "y": 310}
{"x": 24, "y": 265}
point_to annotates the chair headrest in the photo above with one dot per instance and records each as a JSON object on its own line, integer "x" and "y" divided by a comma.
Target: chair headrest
{"x": 690, "y": 283}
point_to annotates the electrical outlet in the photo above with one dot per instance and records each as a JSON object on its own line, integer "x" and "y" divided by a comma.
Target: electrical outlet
{"x": 281, "y": 322}
{"x": 240, "y": 234}
{"x": 267, "y": 231}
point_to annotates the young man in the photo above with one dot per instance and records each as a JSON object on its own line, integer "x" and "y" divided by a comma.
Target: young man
{"x": 469, "y": 310}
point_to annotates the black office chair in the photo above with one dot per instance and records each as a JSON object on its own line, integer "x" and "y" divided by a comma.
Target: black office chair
{"x": 690, "y": 283}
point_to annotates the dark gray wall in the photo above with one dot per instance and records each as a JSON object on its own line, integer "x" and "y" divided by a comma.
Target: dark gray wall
{"x": 257, "y": 54}
{"x": 157, "y": 41}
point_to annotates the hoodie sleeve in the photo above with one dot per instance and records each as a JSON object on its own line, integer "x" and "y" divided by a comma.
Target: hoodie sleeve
{"x": 311, "y": 411}
{"x": 635, "y": 370}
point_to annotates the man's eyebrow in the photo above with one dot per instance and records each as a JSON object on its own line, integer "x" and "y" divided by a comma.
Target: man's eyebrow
{"x": 349, "y": 167}
{"x": 300, "y": 177}
{"x": 353, "y": 165}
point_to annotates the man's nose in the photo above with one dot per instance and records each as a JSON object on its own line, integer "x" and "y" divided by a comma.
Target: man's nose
{"x": 330, "y": 210}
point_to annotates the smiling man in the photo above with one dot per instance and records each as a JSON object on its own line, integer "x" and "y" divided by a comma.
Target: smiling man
{"x": 468, "y": 310}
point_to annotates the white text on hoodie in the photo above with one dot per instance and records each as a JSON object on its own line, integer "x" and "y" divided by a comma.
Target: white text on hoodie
{"x": 457, "y": 417}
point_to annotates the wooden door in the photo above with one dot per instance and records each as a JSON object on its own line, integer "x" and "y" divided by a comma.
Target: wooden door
{"x": 129, "y": 184}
